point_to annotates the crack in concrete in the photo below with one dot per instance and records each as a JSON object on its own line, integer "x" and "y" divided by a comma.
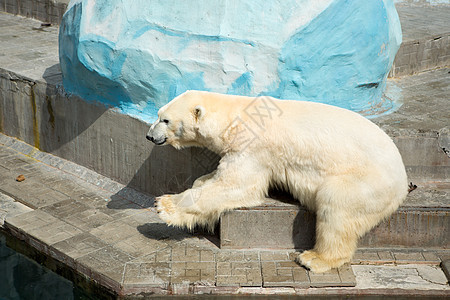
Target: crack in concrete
{"x": 427, "y": 280}
{"x": 444, "y": 140}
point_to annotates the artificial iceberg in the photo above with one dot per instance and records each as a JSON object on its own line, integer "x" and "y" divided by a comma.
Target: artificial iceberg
{"x": 137, "y": 55}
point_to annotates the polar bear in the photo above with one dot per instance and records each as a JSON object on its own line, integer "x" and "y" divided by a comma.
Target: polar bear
{"x": 335, "y": 162}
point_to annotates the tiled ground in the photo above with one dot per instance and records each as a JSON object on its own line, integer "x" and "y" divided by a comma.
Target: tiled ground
{"x": 129, "y": 245}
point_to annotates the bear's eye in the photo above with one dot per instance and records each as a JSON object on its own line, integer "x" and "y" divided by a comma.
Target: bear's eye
{"x": 165, "y": 121}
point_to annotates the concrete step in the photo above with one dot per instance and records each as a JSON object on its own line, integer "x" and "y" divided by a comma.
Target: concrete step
{"x": 422, "y": 221}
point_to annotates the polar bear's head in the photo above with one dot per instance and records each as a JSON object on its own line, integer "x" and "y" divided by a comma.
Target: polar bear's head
{"x": 178, "y": 122}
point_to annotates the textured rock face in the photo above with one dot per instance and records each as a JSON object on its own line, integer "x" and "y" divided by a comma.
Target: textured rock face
{"x": 138, "y": 54}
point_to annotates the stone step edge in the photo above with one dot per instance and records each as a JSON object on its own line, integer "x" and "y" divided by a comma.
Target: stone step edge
{"x": 274, "y": 204}
{"x": 30, "y": 246}
{"x": 295, "y": 207}
{"x": 95, "y": 278}
{"x": 291, "y": 226}
{"x": 81, "y": 274}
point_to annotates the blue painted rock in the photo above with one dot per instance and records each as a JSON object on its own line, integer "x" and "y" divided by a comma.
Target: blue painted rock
{"x": 137, "y": 55}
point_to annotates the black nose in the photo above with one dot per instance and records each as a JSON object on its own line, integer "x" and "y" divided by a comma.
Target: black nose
{"x": 149, "y": 138}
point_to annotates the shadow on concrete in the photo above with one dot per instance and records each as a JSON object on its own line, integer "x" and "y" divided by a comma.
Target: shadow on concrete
{"x": 304, "y": 230}
{"x": 170, "y": 171}
{"x": 304, "y": 226}
{"x": 160, "y": 231}
{"x": 62, "y": 120}
{"x": 128, "y": 198}
{"x": 166, "y": 171}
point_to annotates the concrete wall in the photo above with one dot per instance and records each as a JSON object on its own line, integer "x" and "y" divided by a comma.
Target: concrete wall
{"x": 294, "y": 228}
{"x": 93, "y": 136}
{"x": 422, "y": 55}
{"x": 44, "y": 10}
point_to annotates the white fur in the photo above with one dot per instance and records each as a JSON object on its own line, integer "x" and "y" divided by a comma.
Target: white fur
{"x": 335, "y": 162}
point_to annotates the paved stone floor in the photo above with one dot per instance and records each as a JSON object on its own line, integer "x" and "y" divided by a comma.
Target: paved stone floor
{"x": 28, "y": 49}
{"x": 111, "y": 233}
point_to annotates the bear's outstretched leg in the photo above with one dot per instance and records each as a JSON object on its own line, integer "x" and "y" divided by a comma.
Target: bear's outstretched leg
{"x": 238, "y": 182}
{"x": 201, "y": 180}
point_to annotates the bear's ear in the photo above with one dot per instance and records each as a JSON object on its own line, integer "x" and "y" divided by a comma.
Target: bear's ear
{"x": 199, "y": 112}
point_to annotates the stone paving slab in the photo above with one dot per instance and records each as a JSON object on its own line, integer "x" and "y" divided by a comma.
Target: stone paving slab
{"x": 401, "y": 277}
{"x": 10, "y": 208}
{"x": 368, "y": 256}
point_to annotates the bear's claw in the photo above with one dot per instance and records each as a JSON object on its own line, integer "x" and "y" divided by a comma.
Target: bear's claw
{"x": 313, "y": 262}
{"x": 164, "y": 203}
{"x": 165, "y": 208}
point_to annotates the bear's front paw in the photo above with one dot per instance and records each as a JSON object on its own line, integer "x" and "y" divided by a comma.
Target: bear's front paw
{"x": 165, "y": 208}
{"x": 313, "y": 261}
{"x": 171, "y": 212}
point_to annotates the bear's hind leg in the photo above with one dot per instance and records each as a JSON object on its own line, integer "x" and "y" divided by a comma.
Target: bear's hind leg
{"x": 335, "y": 245}
{"x": 344, "y": 213}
